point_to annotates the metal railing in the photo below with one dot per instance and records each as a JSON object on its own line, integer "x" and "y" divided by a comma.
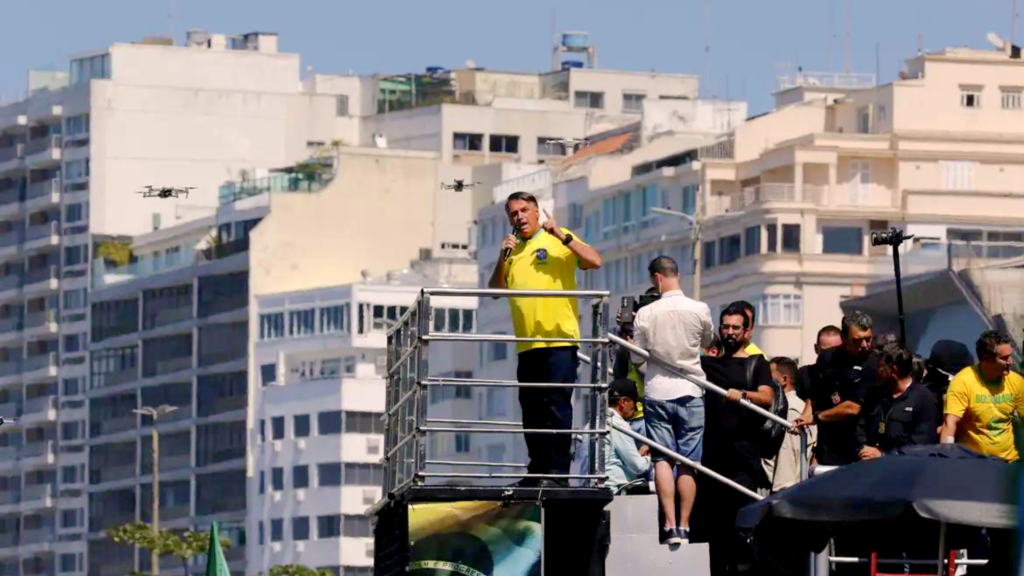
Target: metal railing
{"x": 40, "y": 189}
{"x": 407, "y": 426}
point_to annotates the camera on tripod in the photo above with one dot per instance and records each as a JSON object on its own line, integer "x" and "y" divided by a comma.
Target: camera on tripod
{"x": 891, "y": 237}
{"x": 628, "y": 309}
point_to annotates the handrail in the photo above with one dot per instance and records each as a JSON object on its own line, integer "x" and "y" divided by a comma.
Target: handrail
{"x": 705, "y": 385}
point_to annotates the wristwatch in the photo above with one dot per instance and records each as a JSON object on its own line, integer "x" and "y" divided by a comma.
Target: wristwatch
{"x": 815, "y": 415}
{"x": 743, "y": 394}
{"x": 567, "y": 240}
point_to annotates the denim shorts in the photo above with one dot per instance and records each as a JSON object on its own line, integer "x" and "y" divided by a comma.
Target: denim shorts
{"x": 676, "y": 424}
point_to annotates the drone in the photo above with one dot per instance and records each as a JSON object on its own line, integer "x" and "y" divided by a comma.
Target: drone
{"x": 569, "y": 143}
{"x": 458, "y": 186}
{"x": 165, "y": 192}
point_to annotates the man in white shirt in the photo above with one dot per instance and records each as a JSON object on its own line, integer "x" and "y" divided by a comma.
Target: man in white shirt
{"x": 784, "y": 469}
{"x": 674, "y": 329}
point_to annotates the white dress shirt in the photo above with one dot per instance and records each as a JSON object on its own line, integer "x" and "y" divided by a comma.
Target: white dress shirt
{"x": 673, "y": 328}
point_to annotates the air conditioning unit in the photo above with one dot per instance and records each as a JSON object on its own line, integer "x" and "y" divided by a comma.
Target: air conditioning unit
{"x": 300, "y": 495}
{"x": 275, "y": 496}
{"x": 369, "y": 497}
{"x": 373, "y": 446}
{"x": 300, "y": 546}
{"x": 301, "y": 443}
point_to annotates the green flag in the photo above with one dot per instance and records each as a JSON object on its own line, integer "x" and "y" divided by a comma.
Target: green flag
{"x": 216, "y": 565}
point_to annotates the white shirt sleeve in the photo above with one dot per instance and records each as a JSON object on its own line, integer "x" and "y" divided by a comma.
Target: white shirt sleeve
{"x": 708, "y": 333}
{"x": 639, "y": 335}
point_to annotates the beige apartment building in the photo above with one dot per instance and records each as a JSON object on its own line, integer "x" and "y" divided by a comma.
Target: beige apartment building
{"x": 787, "y": 200}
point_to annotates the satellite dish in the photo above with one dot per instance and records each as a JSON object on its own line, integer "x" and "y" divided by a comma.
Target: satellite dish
{"x": 470, "y": 63}
{"x": 996, "y": 41}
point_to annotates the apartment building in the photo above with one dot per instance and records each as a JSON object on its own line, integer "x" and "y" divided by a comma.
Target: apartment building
{"x": 787, "y": 200}
{"x": 318, "y": 365}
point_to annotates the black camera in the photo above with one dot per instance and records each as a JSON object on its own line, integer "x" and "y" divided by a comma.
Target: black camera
{"x": 892, "y": 237}
{"x": 629, "y": 307}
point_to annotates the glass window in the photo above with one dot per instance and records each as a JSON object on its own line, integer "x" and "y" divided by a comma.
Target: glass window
{"x": 301, "y": 425}
{"x": 301, "y": 322}
{"x": 752, "y": 241}
{"x": 1011, "y": 99}
{"x": 276, "y": 529}
{"x": 277, "y": 428}
{"x": 73, "y": 213}
{"x": 709, "y": 254}
{"x": 277, "y": 479}
{"x": 729, "y": 248}
{"x": 594, "y": 100}
{"x": 363, "y": 474}
{"x": 462, "y": 443}
{"x": 791, "y": 238}
{"x": 356, "y": 526}
{"x": 364, "y": 423}
{"x": 300, "y": 476}
{"x": 467, "y": 321}
{"x": 842, "y": 240}
{"x": 970, "y": 96}
{"x": 268, "y": 374}
{"x": 328, "y": 526}
{"x": 471, "y": 142}
{"x": 300, "y": 528}
{"x": 772, "y": 230}
{"x": 328, "y": 474}
{"x": 328, "y": 422}
{"x": 780, "y": 310}
{"x": 271, "y": 326}
{"x": 632, "y": 102}
{"x": 341, "y": 105}
{"x": 334, "y": 319}
{"x": 502, "y": 144}
{"x": 550, "y": 146}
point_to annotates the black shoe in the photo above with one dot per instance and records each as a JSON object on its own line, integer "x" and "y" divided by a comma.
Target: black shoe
{"x": 553, "y": 483}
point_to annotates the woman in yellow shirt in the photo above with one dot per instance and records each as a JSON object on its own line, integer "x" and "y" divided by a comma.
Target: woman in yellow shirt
{"x": 984, "y": 400}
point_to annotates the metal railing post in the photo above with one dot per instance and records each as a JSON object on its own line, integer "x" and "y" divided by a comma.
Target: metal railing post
{"x": 600, "y": 395}
{"x": 422, "y": 371}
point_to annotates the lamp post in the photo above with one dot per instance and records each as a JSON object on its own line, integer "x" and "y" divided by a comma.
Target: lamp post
{"x": 155, "y": 414}
{"x": 697, "y": 245}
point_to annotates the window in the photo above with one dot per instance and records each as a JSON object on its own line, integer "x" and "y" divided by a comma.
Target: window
{"x": 301, "y": 425}
{"x": 495, "y": 400}
{"x": 791, "y": 238}
{"x": 76, "y": 255}
{"x": 752, "y": 241}
{"x": 729, "y": 246}
{"x": 73, "y": 343}
{"x": 263, "y": 430}
{"x": 970, "y": 96}
{"x": 68, "y": 475}
{"x": 328, "y": 526}
{"x": 71, "y": 518}
{"x": 334, "y": 319}
{"x": 85, "y": 69}
{"x": 341, "y": 105}
{"x": 550, "y": 146}
{"x": 260, "y": 530}
{"x": 268, "y": 374}
{"x": 263, "y": 479}
{"x": 277, "y": 479}
{"x": 328, "y": 422}
{"x": 76, "y": 169}
{"x": 328, "y": 474}
{"x": 300, "y": 476}
{"x": 356, "y": 526}
{"x": 462, "y": 443}
{"x": 632, "y": 102}
{"x": 276, "y": 530}
{"x": 957, "y": 175}
{"x": 842, "y": 240}
{"x": 864, "y": 120}
{"x": 68, "y": 563}
{"x": 73, "y": 213}
{"x": 453, "y": 320}
{"x": 499, "y": 351}
{"x": 773, "y": 237}
{"x": 277, "y": 428}
{"x": 1010, "y": 98}
{"x": 471, "y": 142}
{"x": 300, "y": 528}
{"x": 74, "y": 299}
{"x": 302, "y": 322}
{"x": 709, "y": 254}
{"x": 593, "y": 100}
{"x": 502, "y": 144}
{"x": 781, "y": 310}
{"x": 271, "y": 326}
{"x": 364, "y": 474}
{"x": 364, "y": 422}
{"x": 76, "y": 125}
{"x": 860, "y": 182}
{"x": 71, "y": 430}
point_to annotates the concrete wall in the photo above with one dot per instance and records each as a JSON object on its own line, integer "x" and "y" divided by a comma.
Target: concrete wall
{"x": 375, "y": 215}
{"x": 178, "y": 67}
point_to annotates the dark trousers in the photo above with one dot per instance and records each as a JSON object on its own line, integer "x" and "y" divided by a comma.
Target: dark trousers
{"x": 547, "y": 408}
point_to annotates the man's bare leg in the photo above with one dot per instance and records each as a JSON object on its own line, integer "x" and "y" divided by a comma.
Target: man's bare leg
{"x": 665, "y": 485}
{"x": 687, "y": 486}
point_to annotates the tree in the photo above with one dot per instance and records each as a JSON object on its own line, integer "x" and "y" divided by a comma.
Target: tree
{"x": 297, "y": 570}
{"x": 185, "y": 546}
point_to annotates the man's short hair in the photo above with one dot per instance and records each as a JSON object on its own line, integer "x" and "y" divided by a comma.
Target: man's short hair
{"x": 747, "y": 307}
{"x": 900, "y": 358}
{"x": 858, "y": 319}
{"x": 525, "y": 196}
{"x": 830, "y": 329}
{"x": 787, "y": 366}
{"x": 735, "y": 309}
{"x": 987, "y": 344}
{"x": 919, "y": 368}
{"x": 886, "y": 338}
{"x": 665, "y": 266}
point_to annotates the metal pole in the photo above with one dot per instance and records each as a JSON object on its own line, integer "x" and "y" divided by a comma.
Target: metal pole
{"x": 698, "y": 257}
{"x": 154, "y": 553}
{"x": 899, "y": 295}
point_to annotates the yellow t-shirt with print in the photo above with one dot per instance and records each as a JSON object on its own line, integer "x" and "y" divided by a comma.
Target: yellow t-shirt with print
{"x": 986, "y": 412}
{"x": 543, "y": 263}
{"x": 638, "y": 379}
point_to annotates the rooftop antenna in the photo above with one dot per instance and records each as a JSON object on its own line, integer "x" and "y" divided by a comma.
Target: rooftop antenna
{"x": 846, "y": 57}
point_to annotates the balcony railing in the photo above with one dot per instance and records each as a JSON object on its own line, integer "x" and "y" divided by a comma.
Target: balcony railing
{"x": 11, "y": 281}
{"x": 223, "y": 250}
{"x": 9, "y": 452}
{"x": 12, "y": 238}
{"x": 114, "y": 425}
{"x": 40, "y": 362}
{"x": 777, "y": 192}
{"x": 827, "y": 79}
{"x": 34, "y": 449}
{"x": 105, "y": 275}
{"x": 11, "y": 152}
{"x": 121, "y": 376}
{"x": 40, "y": 189}
{"x": 10, "y": 368}
{"x": 37, "y": 319}
{"x": 171, "y": 365}
{"x": 111, "y": 473}
{"x": 10, "y": 497}
{"x": 11, "y": 324}
{"x": 43, "y": 144}
{"x": 8, "y": 540}
{"x": 38, "y": 537}
{"x": 167, "y": 316}
{"x": 40, "y": 404}
{"x": 37, "y": 491}
{"x": 236, "y": 191}
{"x": 10, "y": 196}
{"x": 10, "y": 409}
{"x": 46, "y": 230}
{"x": 41, "y": 274}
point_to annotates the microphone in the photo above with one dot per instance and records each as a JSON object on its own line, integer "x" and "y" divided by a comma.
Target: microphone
{"x": 508, "y": 251}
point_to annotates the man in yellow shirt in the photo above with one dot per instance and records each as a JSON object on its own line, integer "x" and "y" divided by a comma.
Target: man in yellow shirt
{"x": 984, "y": 400}
{"x": 536, "y": 257}
{"x": 751, "y": 313}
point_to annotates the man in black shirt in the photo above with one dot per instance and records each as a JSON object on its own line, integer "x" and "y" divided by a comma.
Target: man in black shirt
{"x": 829, "y": 337}
{"x": 841, "y": 381}
{"x": 902, "y": 411}
{"x": 730, "y": 440}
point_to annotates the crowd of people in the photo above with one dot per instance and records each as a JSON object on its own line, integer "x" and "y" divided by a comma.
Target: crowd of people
{"x": 863, "y": 396}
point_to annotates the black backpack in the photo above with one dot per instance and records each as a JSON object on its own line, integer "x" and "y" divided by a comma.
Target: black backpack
{"x": 771, "y": 435}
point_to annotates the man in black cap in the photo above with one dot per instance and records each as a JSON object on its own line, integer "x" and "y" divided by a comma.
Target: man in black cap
{"x": 624, "y": 463}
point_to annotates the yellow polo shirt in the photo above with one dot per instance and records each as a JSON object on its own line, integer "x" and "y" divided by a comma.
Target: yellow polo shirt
{"x": 986, "y": 412}
{"x": 753, "y": 350}
{"x": 543, "y": 263}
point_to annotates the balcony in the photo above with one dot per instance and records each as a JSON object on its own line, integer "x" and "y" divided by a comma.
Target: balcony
{"x": 40, "y": 235}
{"x": 10, "y": 285}
{"x": 112, "y": 425}
{"x": 112, "y": 473}
{"x": 121, "y": 376}
{"x": 105, "y": 275}
{"x": 40, "y": 194}
{"x": 826, "y": 80}
{"x": 10, "y": 202}
{"x": 43, "y": 151}
{"x": 8, "y": 540}
{"x": 236, "y": 191}
{"x": 42, "y": 567}
{"x": 171, "y": 365}
{"x": 10, "y": 328}
{"x": 37, "y": 453}
{"x": 42, "y": 279}
{"x": 40, "y": 366}
{"x": 37, "y": 495}
{"x": 8, "y": 497}
{"x": 223, "y": 250}
{"x": 10, "y": 409}
{"x": 777, "y": 192}
{"x": 40, "y": 406}
{"x": 10, "y": 368}
{"x": 41, "y": 323}
{"x": 38, "y": 536}
{"x": 11, "y": 157}
{"x": 168, "y": 316}
{"x": 10, "y": 243}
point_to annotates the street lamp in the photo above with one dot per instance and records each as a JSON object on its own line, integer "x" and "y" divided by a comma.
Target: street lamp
{"x": 698, "y": 246}
{"x": 155, "y": 414}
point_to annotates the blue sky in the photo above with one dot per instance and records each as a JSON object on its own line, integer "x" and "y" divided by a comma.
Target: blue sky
{"x": 749, "y": 39}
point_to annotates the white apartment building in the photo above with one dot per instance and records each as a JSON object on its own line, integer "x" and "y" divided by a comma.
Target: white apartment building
{"x": 317, "y": 364}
